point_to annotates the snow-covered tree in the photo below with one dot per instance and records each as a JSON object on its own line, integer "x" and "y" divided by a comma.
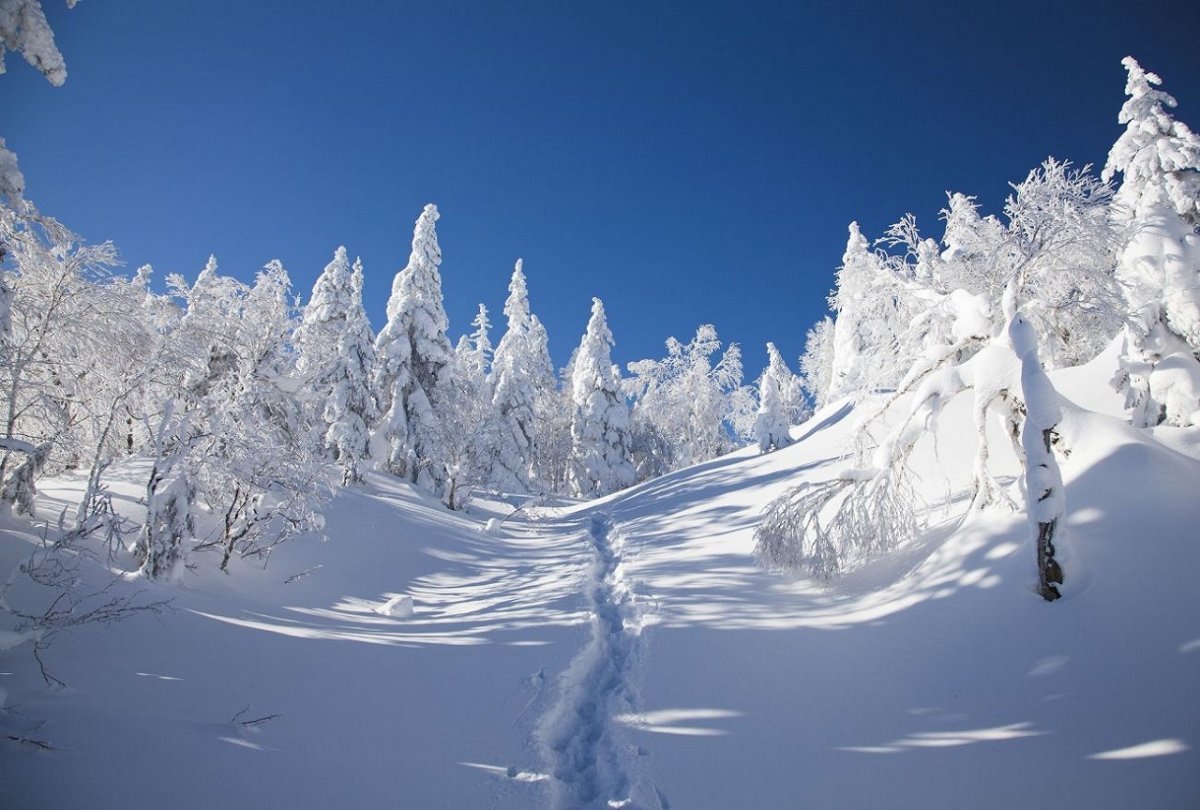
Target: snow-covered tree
{"x": 1054, "y": 255}
{"x": 337, "y": 358}
{"x": 24, "y": 29}
{"x": 548, "y": 407}
{"x": 780, "y": 403}
{"x": 555, "y": 407}
{"x": 466, "y": 424}
{"x": 1159, "y": 271}
{"x": 474, "y": 351}
{"x": 600, "y": 461}
{"x": 684, "y": 403}
{"x": 1045, "y": 493}
{"x": 64, "y": 318}
{"x": 12, "y": 181}
{"x": 234, "y": 446}
{"x": 972, "y": 246}
{"x": 816, "y": 364}
{"x": 1157, "y": 156}
{"x": 514, "y": 368}
{"x": 869, "y": 318}
{"x": 1062, "y": 249}
{"x": 411, "y": 352}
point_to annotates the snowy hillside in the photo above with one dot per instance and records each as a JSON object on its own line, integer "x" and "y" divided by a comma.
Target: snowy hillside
{"x": 255, "y": 553}
{"x": 629, "y": 652}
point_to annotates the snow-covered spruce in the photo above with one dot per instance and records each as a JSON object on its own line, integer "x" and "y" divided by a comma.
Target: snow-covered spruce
{"x": 411, "y": 352}
{"x": 337, "y": 358}
{"x": 1158, "y": 157}
{"x": 869, "y": 316}
{"x": 466, "y": 424}
{"x": 520, "y": 375}
{"x": 465, "y": 427}
{"x": 590, "y": 761}
{"x": 600, "y": 460}
{"x": 1158, "y": 204}
{"x": 780, "y": 403}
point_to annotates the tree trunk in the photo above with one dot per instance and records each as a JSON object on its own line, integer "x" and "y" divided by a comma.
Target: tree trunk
{"x": 1049, "y": 571}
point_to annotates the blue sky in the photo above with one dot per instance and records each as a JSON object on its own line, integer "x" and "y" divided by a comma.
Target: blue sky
{"x": 687, "y": 162}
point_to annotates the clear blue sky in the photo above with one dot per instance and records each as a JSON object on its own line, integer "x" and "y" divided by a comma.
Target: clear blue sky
{"x": 687, "y": 162}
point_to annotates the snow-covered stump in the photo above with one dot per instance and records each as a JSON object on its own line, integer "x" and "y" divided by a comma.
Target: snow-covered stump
{"x": 1043, "y": 479}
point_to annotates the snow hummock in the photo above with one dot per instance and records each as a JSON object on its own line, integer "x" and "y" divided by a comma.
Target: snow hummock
{"x": 400, "y": 607}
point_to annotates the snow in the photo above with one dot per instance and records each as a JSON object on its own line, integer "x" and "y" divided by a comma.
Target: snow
{"x": 12, "y": 182}
{"x": 629, "y": 652}
{"x": 400, "y": 607}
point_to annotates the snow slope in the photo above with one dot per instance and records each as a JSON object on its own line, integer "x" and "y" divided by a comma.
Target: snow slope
{"x": 627, "y": 652}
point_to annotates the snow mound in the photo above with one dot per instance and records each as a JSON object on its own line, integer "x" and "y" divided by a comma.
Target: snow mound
{"x": 399, "y": 607}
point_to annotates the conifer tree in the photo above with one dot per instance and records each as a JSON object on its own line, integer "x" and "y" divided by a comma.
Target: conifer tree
{"x": 474, "y": 351}
{"x": 555, "y": 413}
{"x": 549, "y": 415}
{"x": 1158, "y": 157}
{"x": 865, "y": 332}
{"x": 514, "y": 397}
{"x": 600, "y": 459}
{"x": 779, "y": 403}
{"x": 411, "y": 352}
{"x": 1159, "y": 269}
{"x": 337, "y": 356}
{"x": 468, "y": 423}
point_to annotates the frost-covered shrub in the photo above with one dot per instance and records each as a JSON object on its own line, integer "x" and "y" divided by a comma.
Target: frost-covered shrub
{"x": 822, "y": 529}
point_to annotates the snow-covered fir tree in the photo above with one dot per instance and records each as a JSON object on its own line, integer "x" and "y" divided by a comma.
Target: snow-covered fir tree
{"x": 466, "y": 422}
{"x": 514, "y": 398}
{"x": 868, "y": 322}
{"x": 1158, "y": 201}
{"x": 1157, "y": 156}
{"x": 474, "y": 351}
{"x": 411, "y": 352}
{"x": 780, "y": 403}
{"x": 337, "y": 358}
{"x": 555, "y": 413}
{"x": 547, "y": 407}
{"x": 600, "y": 459}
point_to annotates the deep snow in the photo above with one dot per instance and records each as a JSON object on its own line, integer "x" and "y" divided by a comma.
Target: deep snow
{"x": 627, "y": 652}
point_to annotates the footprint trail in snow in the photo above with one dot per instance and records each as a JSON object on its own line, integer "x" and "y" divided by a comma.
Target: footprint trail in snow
{"x": 592, "y": 763}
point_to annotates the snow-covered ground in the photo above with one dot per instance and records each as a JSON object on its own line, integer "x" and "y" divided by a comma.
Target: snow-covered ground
{"x": 628, "y": 653}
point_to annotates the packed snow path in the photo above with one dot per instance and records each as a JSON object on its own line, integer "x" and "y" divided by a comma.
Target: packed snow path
{"x": 591, "y": 762}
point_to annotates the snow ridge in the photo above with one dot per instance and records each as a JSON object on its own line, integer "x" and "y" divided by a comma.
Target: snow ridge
{"x": 592, "y": 764}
